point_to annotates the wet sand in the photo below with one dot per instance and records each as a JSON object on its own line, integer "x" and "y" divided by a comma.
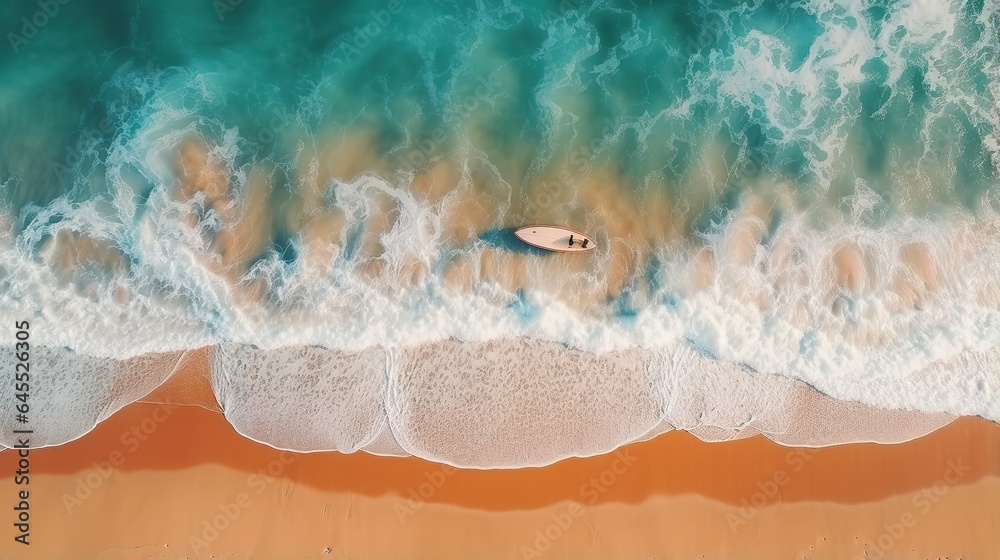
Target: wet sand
{"x": 175, "y": 481}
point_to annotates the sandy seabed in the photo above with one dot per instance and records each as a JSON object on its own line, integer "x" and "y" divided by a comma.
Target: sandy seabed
{"x": 169, "y": 478}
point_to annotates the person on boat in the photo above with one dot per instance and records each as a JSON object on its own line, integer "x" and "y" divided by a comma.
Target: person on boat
{"x": 571, "y": 240}
{"x": 585, "y": 241}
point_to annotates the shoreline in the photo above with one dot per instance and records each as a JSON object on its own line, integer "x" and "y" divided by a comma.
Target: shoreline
{"x": 135, "y": 424}
{"x": 797, "y": 415}
{"x": 218, "y": 494}
{"x": 174, "y": 423}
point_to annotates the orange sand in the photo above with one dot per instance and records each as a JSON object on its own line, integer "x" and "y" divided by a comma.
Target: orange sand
{"x": 151, "y": 481}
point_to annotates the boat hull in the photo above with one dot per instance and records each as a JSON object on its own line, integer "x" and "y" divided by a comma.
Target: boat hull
{"x": 555, "y": 238}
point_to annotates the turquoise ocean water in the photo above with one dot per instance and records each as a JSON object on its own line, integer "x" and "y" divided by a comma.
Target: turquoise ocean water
{"x": 325, "y": 193}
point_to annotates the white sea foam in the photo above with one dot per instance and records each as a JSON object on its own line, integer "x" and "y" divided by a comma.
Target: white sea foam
{"x": 302, "y": 398}
{"x": 499, "y": 404}
{"x": 351, "y": 362}
{"x": 68, "y": 394}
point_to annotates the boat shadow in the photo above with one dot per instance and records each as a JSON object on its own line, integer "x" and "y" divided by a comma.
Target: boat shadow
{"x": 504, "y": 238}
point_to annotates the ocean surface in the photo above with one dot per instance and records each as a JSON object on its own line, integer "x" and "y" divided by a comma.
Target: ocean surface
{"x": 781, "y": 196}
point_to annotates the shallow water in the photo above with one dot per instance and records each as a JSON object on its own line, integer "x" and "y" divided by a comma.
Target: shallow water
{"x": 808, "y": 192}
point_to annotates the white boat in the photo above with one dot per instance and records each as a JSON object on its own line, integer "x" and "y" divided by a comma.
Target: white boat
{"x": 555, "y": 238}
